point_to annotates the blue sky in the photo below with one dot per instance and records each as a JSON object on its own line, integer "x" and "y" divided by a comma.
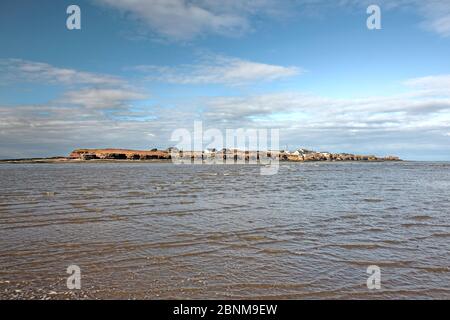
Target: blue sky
{"x": 137, "y": 70}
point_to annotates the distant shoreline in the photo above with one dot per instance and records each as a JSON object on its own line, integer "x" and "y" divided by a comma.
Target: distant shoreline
{"x": 66, "y": 160}
{"x": 69, "y": 160}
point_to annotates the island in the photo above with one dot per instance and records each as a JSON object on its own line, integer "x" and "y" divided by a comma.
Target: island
{"x": 170, "y": 154}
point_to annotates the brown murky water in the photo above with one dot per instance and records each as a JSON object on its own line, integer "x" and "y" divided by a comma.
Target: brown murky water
{"x": 156, "y": 231}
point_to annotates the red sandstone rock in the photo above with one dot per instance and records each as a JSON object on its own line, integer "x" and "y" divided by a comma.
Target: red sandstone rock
{"x": 125, "y": 154}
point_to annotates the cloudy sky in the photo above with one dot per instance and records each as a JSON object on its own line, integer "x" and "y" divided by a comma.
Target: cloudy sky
{"x": 139, "y": 69}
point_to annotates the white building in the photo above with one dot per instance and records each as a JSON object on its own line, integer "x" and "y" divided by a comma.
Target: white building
{"x": 210, "y": 151}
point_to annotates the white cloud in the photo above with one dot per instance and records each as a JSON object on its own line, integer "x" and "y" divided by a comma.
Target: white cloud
{"x": 180, "y": 19}
{"x": 88, "y": 90}
{"x": 220, "y": 70}
{"x": 398, "y": 124}
{"x": 187, "y": 19}
{"x": 96, "y": 109}
{"x": 94, "y": 98}
{"x": 437, "y": 84}
{"x": 108, "y": 116}
{"x": 317, "y": 110}
{"x": 437, "y": 15}
{"x": 31, "y": 71}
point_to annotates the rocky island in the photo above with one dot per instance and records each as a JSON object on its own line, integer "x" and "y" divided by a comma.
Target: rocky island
{"x": 299, "y": 155}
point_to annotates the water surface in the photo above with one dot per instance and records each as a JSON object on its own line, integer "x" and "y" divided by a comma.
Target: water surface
{"x": 156, "y": 231}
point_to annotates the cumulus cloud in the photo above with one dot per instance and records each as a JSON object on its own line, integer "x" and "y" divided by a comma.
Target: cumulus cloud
{"x": 219, "y": 70}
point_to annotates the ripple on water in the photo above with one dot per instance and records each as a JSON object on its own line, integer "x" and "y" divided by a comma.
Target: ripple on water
{"x": 158, "y": 230}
